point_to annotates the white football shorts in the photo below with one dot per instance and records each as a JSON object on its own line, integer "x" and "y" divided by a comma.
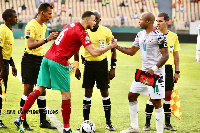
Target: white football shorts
{"x": 155, "y": 93}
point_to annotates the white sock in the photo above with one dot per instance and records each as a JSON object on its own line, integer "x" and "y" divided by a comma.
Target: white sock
{"x": 67, "y": 129}
{"x": 159, "y": 119}
{"x": 133, "y": 109}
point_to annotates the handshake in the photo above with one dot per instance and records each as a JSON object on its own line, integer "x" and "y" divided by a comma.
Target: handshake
{"x": 113, "y": 43}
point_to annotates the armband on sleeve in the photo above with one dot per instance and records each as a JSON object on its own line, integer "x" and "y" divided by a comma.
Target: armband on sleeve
{"x": 113, "y": 63}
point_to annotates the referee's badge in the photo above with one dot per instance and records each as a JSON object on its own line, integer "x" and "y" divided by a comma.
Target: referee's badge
{"x": 0, "y": 40}
{"x": 102, "y": 44}
{"x": 28, "y": 32}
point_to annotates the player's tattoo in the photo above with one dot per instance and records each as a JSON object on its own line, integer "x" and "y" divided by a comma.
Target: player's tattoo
{"x": 125, "y": 48}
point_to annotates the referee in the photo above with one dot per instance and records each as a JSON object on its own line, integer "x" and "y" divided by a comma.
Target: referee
{"x": 96, "y": 69}
{"x": 33, "y": 55}
{"x": 6, "y": 47}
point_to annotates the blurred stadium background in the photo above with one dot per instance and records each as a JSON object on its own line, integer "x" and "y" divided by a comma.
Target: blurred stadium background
{"x": 118, "y": 16}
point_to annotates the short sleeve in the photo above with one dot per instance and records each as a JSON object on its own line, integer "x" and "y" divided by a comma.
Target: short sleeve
{"x": 85, "y": 39}
{"x": 30, "y": 32}
{"x": 136, "y": 42}
{"x": 109, "y": 36}
{"x": 177, "y": 44}
{"x": 2, "y": 37}
{"x": 162, "y": 41}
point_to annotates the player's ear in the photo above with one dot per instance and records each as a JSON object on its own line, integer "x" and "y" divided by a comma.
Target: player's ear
{"x": 100, "y": 20}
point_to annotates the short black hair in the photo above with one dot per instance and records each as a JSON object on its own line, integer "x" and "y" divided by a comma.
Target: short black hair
{"x": 87, "y": 14}
{"x": 165, "y": 15}
{"x": 7, "y": 13}
{"x": 44, "y": 6}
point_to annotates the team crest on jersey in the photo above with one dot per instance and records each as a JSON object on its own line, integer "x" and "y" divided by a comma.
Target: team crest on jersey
{"x": 87, "y": 40}
{"x": 151, "y": 40}
{"x": 0, "y": 40}
{"x": 28, "y": 32}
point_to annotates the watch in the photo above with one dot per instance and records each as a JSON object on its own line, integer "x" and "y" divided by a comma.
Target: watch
{"x": 177, "y": 72}
{"x": 45, "y": 39}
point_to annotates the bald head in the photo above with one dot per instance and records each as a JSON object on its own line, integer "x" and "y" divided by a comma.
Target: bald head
{"x": 98, "y": 18}
{"x": 148, "y": 16}
{"x": 97, "y": 13}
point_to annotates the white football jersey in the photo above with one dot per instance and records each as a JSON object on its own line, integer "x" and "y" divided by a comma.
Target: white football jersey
{"x": 150, "y": 45}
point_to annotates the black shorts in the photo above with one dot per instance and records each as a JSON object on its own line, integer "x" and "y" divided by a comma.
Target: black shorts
{"x": 96, "y": 71}
{"x": 6, "y": 65}
{"x": 30, "y": 67}
{"x": 169, "y": 81}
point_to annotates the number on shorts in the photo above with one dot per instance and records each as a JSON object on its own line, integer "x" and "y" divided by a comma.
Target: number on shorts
{"x": 156, "y": 89}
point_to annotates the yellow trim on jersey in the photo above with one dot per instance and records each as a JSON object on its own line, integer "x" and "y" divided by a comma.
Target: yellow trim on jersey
{"x": 6, "y": 41}
{"x": 37, "y": 32}
{"x": 100, "y": 39}
{"x": 173, "y": 46}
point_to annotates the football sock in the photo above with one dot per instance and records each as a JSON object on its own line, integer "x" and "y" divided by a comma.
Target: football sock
{"x": 86, "y": 108}
{"x": 66, "y": 111}
{"x": 148, "y": 111}
{"x": 167, "y": 111}
{"x": 29, "y": 102}
{"x": 107, "y": 108}
{"x": 159, "y": 119}
{"x": 22, "y": 102}
{"x": 41, "y": 102}
{"x": 133, "y": 110}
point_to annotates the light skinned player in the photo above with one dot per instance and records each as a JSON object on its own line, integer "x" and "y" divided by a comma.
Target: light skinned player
{"x": 54, "y": 70}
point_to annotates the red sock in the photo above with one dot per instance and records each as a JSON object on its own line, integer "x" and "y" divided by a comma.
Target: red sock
{"x": 29, "y": 102}
{"x": 66, "y": 111}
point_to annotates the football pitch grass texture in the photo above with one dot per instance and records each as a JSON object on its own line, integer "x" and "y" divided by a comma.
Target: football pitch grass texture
{"x": 188, "y": 87}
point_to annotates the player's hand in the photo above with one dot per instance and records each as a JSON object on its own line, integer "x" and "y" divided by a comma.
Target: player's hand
{"x": 150, "y": 72}
{"x": 176, "y": 77}
{"x": 78, "y": 74}
{"x": 111, "y": 74}
{"x": 113, "y": 43}
{"x": 52, "y": 35}
{"x": 2, "y": 74}
{"x": 14, "y": 71}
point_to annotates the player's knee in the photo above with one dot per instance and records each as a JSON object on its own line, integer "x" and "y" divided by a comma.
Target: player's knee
{"x": 104, "y": 93}
{"x": 156, "y": 103}
{"x": 132, "y": 97}
{"x": 88, "y": 93}
{"x": 168, "y": 98}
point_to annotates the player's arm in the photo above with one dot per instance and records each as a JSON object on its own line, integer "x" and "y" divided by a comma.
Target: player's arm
{"x": 162, "y": 42}
{"x": 78, "y": 72}
{"x": 111, "y": 73}
{"x": 33, "y": 45}
{"x": 129, "y": 51}
{"x": 176, "y": 63}
{"x": 14, "y": 69}
{"x": 161, "y": 62}
{"x": 99, "y": 51}
{"x": 2, "y": 74}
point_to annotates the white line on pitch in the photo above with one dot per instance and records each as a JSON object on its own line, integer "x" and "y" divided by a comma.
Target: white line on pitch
{"x": 51, "y": 116}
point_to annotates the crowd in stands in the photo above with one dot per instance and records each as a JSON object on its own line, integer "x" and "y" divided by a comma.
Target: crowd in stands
{"x": 65, "y": 9}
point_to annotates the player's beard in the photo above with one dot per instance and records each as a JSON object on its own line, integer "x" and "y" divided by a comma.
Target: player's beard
{"x": 90, "y": 27}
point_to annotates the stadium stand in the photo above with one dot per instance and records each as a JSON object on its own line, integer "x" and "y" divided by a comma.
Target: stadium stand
{"x": 109, "y": 11}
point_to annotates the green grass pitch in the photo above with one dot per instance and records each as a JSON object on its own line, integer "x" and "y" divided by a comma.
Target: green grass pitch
{"x": 188, "y": 87}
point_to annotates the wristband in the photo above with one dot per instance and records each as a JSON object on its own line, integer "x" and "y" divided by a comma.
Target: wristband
{"x": 113, "y": 63}
{"x": 154, "y": 68}
{"x": 45, "y": 39}
{"x": 177, "y": 72}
